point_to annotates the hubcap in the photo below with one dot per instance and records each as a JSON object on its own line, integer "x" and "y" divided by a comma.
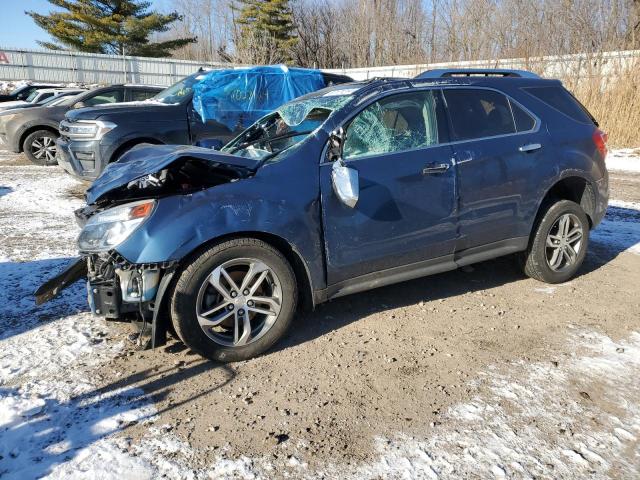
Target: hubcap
{"x": 239, "y": 302}
{"x": 44, "y": 148}
{"x": 564, "y": 242}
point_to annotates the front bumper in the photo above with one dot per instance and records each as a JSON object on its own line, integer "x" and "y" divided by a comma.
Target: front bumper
{"x": 80, "y": 159}
{"x": 115, "y": 288}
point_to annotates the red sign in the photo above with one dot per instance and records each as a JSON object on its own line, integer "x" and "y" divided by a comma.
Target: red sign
{"x": 3, "y": 58}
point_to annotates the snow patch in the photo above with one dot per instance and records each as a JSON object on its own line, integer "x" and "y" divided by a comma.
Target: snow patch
{"x": 619, "y": 231}
{"x": 624, "y": 159}
{"x": 532, "y": 421}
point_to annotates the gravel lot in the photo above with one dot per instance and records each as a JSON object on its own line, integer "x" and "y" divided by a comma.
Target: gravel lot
{"x": 478, "y": 373}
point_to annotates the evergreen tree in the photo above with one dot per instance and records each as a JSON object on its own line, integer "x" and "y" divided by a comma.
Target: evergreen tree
{"x": 108, "y": 26}
{"x": 266, "y": 30}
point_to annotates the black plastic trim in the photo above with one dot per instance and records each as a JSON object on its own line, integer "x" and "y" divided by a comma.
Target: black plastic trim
{"x": 422, "y": 269}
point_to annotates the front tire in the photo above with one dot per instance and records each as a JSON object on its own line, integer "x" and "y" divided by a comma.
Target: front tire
{"x": 40, "y": 147}
{"x": 559, "y": 243}
{"x": 234, "y": 300}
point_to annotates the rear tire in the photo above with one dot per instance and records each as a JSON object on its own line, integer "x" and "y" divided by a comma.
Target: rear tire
{"x": 40, "y": 147}
{"x": 558, "y": 244}
{"x": 215, "y": 325}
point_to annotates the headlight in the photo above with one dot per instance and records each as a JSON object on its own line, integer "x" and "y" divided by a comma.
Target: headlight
{"x": 111, "y": 227}
{"x": 86, "y": 129}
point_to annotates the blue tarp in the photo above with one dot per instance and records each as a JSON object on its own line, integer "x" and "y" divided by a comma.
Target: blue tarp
{"x": 238, "y": 97}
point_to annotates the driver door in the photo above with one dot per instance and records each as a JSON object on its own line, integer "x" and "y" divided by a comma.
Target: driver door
{"x": 406, "y": 210}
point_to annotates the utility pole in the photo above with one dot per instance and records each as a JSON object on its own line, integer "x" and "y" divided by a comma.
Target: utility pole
{"x": 124, "y": 64}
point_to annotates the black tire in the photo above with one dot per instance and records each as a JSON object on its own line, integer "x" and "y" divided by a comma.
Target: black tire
{"x": 193, "y": 275}
{"x": 118, "y": 155}
{"x": 536, "y": 258}
{"x": 38, "y": 148}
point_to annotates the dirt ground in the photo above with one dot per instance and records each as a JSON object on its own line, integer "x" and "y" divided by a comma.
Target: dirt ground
{"x": 383, "y": 363}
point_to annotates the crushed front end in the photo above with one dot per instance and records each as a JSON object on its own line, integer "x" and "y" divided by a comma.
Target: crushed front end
{"x": 120, "y": 290}
{"x": 120, "y": 204}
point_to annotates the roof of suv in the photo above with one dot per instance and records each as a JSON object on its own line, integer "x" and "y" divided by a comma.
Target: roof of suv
{"x": 480, "y": 78}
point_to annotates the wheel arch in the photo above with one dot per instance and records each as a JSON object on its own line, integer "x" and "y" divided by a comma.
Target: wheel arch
{"x": 34, "y": 128}
{"x": 574, "y": 187}
{"x": 293, "y": 256}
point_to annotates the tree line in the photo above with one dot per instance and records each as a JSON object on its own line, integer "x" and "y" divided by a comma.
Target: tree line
{"x": 343, "y": 33}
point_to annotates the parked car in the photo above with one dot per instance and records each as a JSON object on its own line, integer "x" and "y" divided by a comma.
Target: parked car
{"x": 38, "y": 96}
{"x": 171, "y": 118}
{"x": 23, "y": 91}
{"x": 34, "y": 130}
{"x": 47, "y": 101}
{"x": 354, "y": 187}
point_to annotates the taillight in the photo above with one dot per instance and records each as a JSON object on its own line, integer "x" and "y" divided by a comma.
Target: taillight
{"x": 600, "y": 140}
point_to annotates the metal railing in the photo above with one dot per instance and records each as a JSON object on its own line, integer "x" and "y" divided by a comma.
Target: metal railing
{"x": 89, "y": 68}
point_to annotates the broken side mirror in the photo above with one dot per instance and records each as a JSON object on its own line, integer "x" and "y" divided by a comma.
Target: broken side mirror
{"x": 345, "y": 183}
{"x": 344, "y": 179}
{"x": 336, "y": 144}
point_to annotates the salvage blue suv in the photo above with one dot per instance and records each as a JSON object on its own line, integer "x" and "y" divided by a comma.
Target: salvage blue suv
{"x": 349, "y": 188}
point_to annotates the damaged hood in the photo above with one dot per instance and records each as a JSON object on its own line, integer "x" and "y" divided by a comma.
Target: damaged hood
{"x": 143, "y": 161}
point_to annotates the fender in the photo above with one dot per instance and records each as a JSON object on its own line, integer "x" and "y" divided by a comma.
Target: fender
{"x": 18, "y": 139}
{"x": 260, "y": 204}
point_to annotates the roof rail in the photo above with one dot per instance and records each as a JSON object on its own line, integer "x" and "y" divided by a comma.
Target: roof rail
{"x": 476, "y": 72}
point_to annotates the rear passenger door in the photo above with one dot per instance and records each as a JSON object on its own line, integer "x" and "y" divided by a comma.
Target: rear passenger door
{"x": 497, "y": 144}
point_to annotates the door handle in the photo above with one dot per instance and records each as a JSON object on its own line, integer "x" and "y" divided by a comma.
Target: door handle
{"x": 434, "y": 168}
{"x": 530, "y": 147}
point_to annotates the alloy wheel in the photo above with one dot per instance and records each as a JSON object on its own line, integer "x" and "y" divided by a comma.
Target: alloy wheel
{"x": 564, "y": 242}
{"x": 44, "y": 148}
{"x": 239, "y": 302}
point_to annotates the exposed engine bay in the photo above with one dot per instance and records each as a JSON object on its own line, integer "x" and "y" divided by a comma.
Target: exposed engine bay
{"x": 185, "y": 175}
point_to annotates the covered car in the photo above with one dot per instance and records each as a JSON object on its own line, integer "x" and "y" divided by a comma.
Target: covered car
{"x": 206, "y": 108}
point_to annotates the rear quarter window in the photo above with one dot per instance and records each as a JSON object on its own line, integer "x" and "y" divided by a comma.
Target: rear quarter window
{"x": 560, "y": 99}
{"x": 524, "y": 121}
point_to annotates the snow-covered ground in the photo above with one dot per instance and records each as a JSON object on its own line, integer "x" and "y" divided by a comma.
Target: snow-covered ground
{"x": 528, "y": 420}
{"x": 624, "y": 159}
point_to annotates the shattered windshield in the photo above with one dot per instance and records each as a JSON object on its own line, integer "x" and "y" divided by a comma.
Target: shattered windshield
{"x": 177, "y": 92}
{"x": 286, "y": 127}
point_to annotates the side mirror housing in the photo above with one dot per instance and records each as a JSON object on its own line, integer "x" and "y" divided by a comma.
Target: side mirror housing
{"x": 345, "y": 183}
{"x": 79, "y": 105}
{"x": 336, "y": 144}
{"x": 212, "y": 143}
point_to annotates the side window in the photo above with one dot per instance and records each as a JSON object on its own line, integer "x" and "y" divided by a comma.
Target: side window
{"x": 24, "y": 93}
{"x": 393, "y": 124}
{"x": 108, "y": 96}
{"x": 524, "y": 121}
{"x": 478, "y": 113}
{"x": 138, "y": 95}
{"x": 560, "y": 99}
